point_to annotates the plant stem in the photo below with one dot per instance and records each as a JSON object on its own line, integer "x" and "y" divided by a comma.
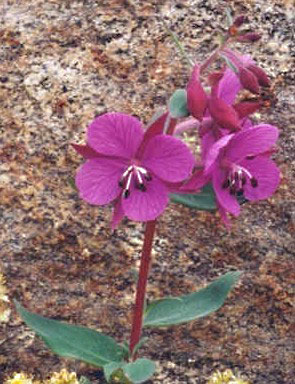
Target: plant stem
{"x": 177, "y": 42}
{"x": 145, "y": 262}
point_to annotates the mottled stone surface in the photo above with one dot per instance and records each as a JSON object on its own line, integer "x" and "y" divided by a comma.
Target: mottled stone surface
{"x": 61, "y": 63}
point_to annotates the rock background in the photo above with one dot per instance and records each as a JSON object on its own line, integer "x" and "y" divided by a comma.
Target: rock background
{"x": 61, "y": 63}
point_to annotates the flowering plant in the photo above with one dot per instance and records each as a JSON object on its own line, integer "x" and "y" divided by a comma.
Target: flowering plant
{"x": 140, "y": 170}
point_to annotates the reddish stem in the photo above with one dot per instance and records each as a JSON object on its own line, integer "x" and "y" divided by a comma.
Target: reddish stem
{"x": 145, "y": 262}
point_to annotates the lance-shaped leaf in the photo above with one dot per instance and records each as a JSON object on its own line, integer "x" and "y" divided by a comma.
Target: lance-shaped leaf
{"x": 73, "y": 341}
{"x": 182, "y": 309}
{"x": 178, "y": 104}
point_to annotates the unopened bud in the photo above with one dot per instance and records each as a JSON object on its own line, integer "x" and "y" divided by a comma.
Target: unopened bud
{"x": 249, "y": 80}
{"x": 260, "y": 75}
{"x": 224, "y": 114}
{"x": 214, "y": 78}
{"x": 196, "y": 96}
{"x": 240, "y": 20}
{"x": 246, "y": 108}
{"x": 249, "y": 37}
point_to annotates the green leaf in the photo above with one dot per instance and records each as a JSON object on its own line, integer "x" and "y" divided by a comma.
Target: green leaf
{"x": 203, "y": 201}
{"x": 178, "y": 104}
{"x": 140, "y": 370}
{"x": 177, "y": 310}
{"x": 136, "y": 372}
{"x": 73, "y": 341}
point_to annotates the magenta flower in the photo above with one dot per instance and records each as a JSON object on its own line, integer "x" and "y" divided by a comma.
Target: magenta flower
{"x": 240, "y": 163}
{"x": 134, "y": 169}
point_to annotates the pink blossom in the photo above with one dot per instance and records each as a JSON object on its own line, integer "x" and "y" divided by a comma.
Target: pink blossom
{"x": 134, "y": 169}
{"x": 240, "y": 163}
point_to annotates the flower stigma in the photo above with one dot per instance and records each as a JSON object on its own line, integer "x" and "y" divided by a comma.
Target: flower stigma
{"x": 237, "y": 179}
{"x": 138, "y": 175}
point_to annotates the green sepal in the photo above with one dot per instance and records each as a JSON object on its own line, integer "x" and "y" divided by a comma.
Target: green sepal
{"x": 182, "y": 309}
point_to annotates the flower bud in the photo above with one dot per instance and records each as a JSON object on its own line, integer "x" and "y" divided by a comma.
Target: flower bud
{"x": 249, "y": 37}
{"x": 246, "y": 108}
{"x": 196, "y": 96}
{"x": 249, "y": 80}
{"x": 261, "y": 76}
{"x": 240, "y": 20}
{"x": 224, "y": 114}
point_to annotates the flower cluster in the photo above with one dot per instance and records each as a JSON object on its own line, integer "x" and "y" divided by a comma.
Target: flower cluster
{"x": 137, "y": 169}
{"x": 235, "y": 152}
{"x": 226, "y": 377}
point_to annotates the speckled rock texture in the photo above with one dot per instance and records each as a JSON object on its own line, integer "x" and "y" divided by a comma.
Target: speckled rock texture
{"x": 61, "y": 63}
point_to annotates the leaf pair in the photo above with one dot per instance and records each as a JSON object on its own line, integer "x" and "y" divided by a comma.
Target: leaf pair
{"x": 100, "y": 350}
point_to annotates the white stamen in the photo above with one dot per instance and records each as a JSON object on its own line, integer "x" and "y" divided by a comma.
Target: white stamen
{"x": 142, "y": 170}
{"x": 127, "y": 171}
{"x": 138, "y": 175}
{"x": 128, "y": 182}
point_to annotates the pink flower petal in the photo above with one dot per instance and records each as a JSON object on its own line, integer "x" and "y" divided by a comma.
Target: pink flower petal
{"x": 148, "y": 205}
{"x": 267, "y": 175}
{"x": 168, "y": 158}
{"x": 228, "y": 87}
{"x": 214, "y": 151}
{"x": 97, "y": 180}
{"x": 251, "y": 141}
{"x": 247, "y": 123}
{"x": 196, "y": 182}
{"x": 225, "y": 199}
{"x": 115, "y": 134}
{"x": 154, "y": 129}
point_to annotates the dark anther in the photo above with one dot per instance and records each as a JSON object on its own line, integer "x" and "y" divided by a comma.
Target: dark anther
{"x": 236, "y": 176}
{"x": 121, "y": 183}
{"x": 250, "y": 157}
{"x": 254, "y": 182}
{"x": 225, "y": 184}
{"x": 244, "y": 180}
{"x": 148, "y": 177}
{"x": 141, "y": 186}
{"x": 126, "y": 193}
